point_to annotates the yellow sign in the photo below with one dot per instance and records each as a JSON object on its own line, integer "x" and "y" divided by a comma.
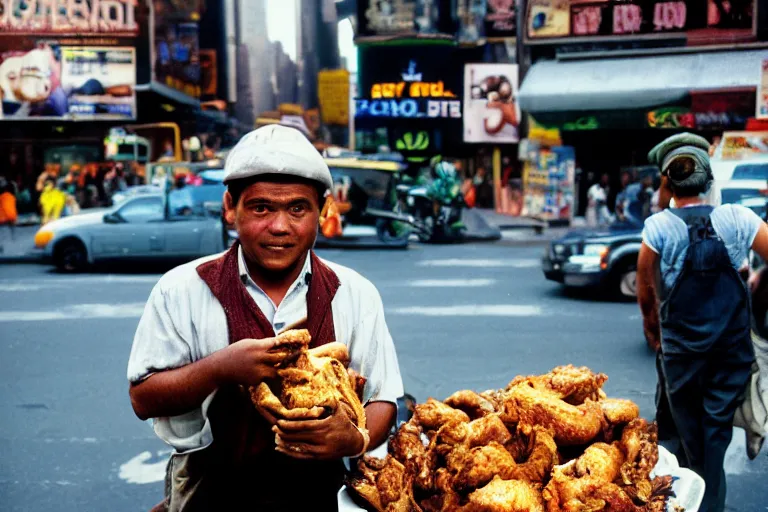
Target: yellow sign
{"x": 333, "y": 94}
{"x": 414, "y": 90}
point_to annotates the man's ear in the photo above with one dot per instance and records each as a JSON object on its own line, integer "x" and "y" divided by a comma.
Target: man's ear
{"x": 229, "y": 209}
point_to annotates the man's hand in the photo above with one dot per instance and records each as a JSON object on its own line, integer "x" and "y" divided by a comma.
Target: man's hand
{"x": 647, "y": 278}
{"x": 249, "y": 362}
{"x": 330, "y": 438}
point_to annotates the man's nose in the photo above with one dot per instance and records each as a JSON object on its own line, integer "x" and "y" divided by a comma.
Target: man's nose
{"x": 280, "y": 224}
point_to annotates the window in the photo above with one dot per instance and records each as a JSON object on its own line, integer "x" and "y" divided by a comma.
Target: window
{"x": 146, "y": 209}
{"x": 751, "y": 172}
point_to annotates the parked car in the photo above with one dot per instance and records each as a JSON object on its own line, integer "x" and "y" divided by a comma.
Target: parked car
{"x": 606, "y": 258}
{"x": 603, "y": 258}
{"x": 183, "y": 225}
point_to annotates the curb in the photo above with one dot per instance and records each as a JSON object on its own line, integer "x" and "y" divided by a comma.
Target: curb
{"x": 7, "y": 259}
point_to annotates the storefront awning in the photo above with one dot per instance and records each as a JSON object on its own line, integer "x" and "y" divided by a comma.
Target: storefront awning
{"x": 170, "y": 93}
{"x": 635, "y": 83}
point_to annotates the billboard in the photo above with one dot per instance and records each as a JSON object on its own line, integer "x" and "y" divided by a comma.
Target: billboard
{"x": 491, "y": 113}
{"x": 177, "y": 57}
{"x": 762, "y": 91}
{"x": 48, "y": 81}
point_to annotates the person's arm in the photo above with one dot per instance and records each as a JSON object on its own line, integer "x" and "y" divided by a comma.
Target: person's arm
{"x": 647, "y": 270}
{"x": 178, "y": 391}
{"x": 760, "y": 243}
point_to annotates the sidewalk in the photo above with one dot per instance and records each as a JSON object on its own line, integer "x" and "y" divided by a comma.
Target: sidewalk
{"x": 22, "y": 248}
{"x": 524, "y": 230}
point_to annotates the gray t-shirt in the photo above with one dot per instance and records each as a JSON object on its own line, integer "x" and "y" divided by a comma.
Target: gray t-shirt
{"x": 667, "y": 235}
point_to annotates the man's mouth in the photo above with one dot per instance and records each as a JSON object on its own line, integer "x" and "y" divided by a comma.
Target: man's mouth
{"x": 277, "y": 247}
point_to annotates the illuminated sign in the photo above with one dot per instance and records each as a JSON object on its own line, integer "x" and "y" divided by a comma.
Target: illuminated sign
{"x": 671, "y": 117}
{"x": 411, "y": 86}
{"x": 86, "y": 17}
{"x": 408, "y": 108}
{"x": 411, "y": 97}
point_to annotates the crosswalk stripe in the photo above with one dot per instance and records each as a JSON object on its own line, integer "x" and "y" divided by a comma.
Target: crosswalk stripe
{"x": 80, "y": 311}
{"x": 470, "y": 310}
{"x": 481, "y": 263}
{"x": 451, "y": 283}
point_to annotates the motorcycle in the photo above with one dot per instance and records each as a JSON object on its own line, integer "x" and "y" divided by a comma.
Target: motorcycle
{"x": 436, "y": 206}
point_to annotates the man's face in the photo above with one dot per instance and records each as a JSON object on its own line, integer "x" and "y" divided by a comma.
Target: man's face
{"x": 625, "y": 179}
{"x": 276, "y": 223}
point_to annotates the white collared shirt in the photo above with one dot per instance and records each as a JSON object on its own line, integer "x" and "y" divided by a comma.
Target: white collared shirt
{"x": 183, "y": 322}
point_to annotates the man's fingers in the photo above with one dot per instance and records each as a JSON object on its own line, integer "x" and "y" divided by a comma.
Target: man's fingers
{"x": 304, "y": 436}
{"x": 302, "y": 425}
{"x": 295, "y": 454}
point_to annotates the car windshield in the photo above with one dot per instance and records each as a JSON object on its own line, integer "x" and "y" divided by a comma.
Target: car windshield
{"x": 751, "y": 172}
{"x": 192, "y": 200}
{"x": 736, "y": 195}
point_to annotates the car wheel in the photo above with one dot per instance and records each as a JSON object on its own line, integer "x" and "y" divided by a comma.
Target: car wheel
{"x": 626, "y": 282}
{"x": 71, "y": 256}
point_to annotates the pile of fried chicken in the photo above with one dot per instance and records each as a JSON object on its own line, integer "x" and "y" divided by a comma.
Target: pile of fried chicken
{"x": 550, "y": 442}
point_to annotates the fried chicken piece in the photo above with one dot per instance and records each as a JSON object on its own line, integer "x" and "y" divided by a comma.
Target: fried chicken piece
{"x": 639, "y": 441}
{"x": 571, "y": 384}
{"x": 475, "y": 405}
{"x": 408, "y": 448}
{"x": 477, "y": 466}
{"x": 334, "y": 350}
{"x": 433, "y": 414}
{"x": 570, "y": 424}
{"x": 541, "y": 457}
{"x": 618, "y": 411}
{"x": 505, "y": 496}
{"x": 311, "y": 381}
{"x": 601, "y": 461}
{"x": 384, "y": 484}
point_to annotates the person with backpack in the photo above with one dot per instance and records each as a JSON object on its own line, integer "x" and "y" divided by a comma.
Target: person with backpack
{"x": 696, "y": 308}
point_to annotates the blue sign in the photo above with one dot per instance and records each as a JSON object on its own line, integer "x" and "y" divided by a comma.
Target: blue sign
{"x": 408, "y": 108}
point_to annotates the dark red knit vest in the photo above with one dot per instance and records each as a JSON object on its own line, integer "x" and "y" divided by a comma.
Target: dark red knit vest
{"x": 241, "y": 466}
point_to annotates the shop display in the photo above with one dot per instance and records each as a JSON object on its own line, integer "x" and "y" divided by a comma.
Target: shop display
{"x": 547, "y": 442}
{"x": 548, "y": 176}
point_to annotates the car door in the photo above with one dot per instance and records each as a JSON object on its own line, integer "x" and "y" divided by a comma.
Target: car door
{"x": 142, "y": 220}
{"x": 192, "y": 228}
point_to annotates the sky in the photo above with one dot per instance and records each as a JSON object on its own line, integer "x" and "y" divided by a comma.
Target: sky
{"x": 278, "y": 11}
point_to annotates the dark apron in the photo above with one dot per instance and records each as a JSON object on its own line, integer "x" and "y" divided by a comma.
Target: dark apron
{"x": 706, "y": 353}
{"x": 241, "y": 467}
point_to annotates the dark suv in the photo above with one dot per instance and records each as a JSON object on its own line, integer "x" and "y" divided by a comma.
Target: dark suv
{"x": 603, "y": 257}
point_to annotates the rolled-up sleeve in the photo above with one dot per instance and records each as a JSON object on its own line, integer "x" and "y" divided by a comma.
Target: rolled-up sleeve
{"x": 373, "y": 349}
{"x": 158, "y": 344}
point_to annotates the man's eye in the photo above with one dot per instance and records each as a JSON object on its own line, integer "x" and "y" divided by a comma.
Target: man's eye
{"x": 260, "y": 208}
{"x": 299, "y": 208}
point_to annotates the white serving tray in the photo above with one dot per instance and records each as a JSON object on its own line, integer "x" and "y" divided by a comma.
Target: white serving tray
{"x": 688, "y": 486}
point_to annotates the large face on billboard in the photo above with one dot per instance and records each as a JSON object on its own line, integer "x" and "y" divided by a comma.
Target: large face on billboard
{"x": 491, "y": 113}
{"x": 49, "y": 81}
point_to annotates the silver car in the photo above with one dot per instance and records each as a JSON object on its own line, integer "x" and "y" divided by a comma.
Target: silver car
{"x": 184, "y": 224}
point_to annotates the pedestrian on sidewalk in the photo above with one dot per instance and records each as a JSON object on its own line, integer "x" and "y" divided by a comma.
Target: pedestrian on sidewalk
{"x": 8, "y": 212}
{"x": 698, "y": 317}
{"x": 597, "y": 203}
{"x": 209, "y": 332}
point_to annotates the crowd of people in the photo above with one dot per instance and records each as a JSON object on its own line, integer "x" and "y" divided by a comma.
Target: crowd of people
{"x": 636, "y": 201}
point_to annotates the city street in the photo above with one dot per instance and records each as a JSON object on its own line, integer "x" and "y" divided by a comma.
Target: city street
{"x": 464, "y": 316}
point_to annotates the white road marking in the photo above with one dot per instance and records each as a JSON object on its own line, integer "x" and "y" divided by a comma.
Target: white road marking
{"x": 451, "y": 283}
{"x": 470, "y": 310}
{"x": 139, "y": 471}
{"x": 20, "y": 287}
{"x": 78, "y": 312}
{"x": 481, "y": 263}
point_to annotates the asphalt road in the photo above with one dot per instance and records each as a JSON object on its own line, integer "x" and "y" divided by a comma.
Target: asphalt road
{"x": 470, "y": 316}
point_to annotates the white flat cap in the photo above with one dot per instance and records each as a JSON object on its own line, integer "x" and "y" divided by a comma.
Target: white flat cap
{"x": 276, "y": 149}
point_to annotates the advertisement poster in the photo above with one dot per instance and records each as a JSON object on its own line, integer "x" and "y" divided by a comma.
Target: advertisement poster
{"x": 762, "y": 91}
{"x": 177, "y": 57}
{"x": 471, "y": 15}
{"x": 491, "y": 113}
{"x": 100, "y": 82}
{"x": 333, "y": 95}
{"x": 549, "y": 18}
{"x": 549, "y": 183}
{"x": 500, "y": 20}
{"x": 48, "y": 81}
{"x": 208, "y": 73}
{"x": 386, "y": 17}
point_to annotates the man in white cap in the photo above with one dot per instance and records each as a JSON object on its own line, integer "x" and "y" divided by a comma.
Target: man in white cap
{"x": 208, "y": 328}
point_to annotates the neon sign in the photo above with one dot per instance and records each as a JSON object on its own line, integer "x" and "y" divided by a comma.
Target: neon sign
{"x": 56, "y": 16}
{"x": 411, "y": 86}
{"x": 408, "y": 108}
